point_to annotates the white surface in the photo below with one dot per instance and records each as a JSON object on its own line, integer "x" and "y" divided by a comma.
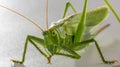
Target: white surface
{"x": 17, "y": 65}
{"x": 14, "y": 29}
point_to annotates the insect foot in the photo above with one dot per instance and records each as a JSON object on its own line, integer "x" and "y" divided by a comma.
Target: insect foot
{"x": 49, "y": 60}
{"x": 17, "y": 63}
{"x": 111, "y": 62}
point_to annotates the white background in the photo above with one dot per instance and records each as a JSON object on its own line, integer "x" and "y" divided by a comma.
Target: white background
{"x": 14, "y": 29}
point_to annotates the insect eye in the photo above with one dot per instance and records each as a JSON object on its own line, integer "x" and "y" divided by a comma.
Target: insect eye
{"x": 53, "y": 33}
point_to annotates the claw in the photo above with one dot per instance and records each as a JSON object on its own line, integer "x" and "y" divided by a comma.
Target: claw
{"x": 49, "y": 60}
{"x": 17, "y": 63}
{"x": 111, "y": 62}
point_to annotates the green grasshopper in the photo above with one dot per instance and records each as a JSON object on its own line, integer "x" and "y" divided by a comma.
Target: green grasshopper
{"x": 70, "y": 34}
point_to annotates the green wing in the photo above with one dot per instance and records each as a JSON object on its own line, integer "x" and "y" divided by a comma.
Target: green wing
{"x": 69, "y": 25}
{"x": 93, "y": 18}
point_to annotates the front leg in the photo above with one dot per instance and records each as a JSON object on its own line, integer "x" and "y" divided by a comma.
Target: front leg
{"x": 33, "y": 40}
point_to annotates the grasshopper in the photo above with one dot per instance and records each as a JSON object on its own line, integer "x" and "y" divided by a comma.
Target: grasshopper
{"x": 70, "y": 34}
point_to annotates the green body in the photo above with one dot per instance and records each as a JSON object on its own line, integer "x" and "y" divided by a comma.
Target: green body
{"x": 71, "y": 34}
{"x": 64, "y": 32}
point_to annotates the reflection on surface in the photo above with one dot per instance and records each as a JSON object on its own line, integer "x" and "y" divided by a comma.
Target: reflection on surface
{"x": 116, "y": 66}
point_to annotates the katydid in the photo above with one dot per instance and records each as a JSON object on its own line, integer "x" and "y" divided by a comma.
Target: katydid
{"x": 70, "y": 34}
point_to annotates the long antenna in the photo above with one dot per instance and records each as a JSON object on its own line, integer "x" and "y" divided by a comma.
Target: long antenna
{"x": 47, "y": 14}
{"x": 22, "y": 16}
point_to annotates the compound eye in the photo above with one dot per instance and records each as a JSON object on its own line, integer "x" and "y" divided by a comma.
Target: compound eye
{"x": 53, "y": 33}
